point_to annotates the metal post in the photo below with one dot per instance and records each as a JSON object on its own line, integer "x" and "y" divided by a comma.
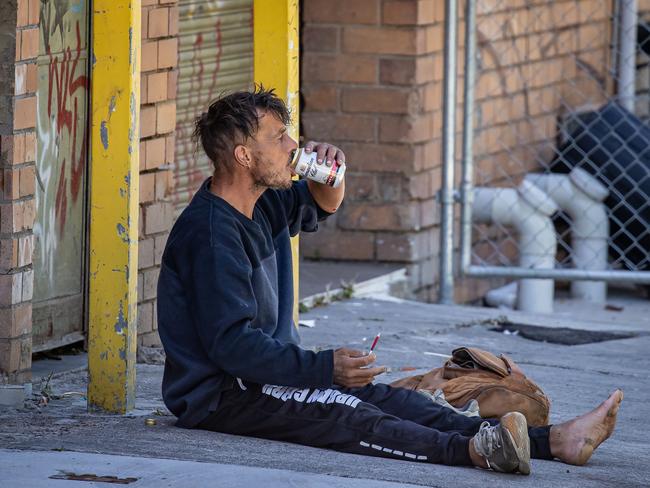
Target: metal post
{"x": 627, "y": 60}
{"x": 446, "y": 294}
{"x": 115, "y": 128}
{"x": 467, "y": 177}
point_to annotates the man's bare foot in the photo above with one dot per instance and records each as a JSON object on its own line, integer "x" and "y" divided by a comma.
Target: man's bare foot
{"x": 574, "y": 442}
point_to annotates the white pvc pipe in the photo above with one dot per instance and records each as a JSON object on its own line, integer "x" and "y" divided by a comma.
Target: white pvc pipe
{"x": 627, "y": 57}
{"x": 581, "y": 196}
{"x": 527, "y": 209}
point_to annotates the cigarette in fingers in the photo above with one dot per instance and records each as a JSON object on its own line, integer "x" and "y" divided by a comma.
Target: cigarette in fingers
{"x": 374, "y": 343}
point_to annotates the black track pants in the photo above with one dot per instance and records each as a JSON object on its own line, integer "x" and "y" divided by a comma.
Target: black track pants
{"x": 377, "y": 420}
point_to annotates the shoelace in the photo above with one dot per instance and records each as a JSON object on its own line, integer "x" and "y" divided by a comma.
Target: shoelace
{"x": 487, "y": 441}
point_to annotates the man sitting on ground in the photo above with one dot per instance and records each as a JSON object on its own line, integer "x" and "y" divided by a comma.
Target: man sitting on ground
{"x": 225, "y": 298}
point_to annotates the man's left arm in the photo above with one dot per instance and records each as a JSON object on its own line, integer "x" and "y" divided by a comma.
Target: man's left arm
{"x": 327, "y": 197}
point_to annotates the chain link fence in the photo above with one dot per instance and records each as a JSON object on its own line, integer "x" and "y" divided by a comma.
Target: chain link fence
{"x": 555, "y": 179}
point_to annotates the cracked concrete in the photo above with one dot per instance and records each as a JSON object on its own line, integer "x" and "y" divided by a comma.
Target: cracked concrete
{"x": 413, "y": 334}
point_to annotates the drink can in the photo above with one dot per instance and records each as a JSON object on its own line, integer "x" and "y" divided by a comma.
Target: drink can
{"x": 306, "y": 164}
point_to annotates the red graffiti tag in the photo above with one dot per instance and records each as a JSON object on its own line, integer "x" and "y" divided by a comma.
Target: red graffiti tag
{"x": 62, "y": 87}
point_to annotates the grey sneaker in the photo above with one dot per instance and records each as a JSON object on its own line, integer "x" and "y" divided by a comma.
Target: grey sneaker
{"x": 505, "y": 447}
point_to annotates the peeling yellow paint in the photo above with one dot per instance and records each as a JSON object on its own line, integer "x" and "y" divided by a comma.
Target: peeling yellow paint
{"x": 276, "y": 46}
{"x": 112, "y": 295}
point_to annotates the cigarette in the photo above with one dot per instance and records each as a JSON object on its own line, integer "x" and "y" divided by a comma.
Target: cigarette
{"x": 374, "y": 343}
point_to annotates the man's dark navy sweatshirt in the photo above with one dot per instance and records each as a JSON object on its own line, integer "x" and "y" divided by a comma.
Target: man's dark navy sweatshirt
{"x": 225, "y": 301}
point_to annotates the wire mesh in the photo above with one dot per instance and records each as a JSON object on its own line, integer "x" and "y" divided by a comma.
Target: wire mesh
{"x": 562, "y": 89}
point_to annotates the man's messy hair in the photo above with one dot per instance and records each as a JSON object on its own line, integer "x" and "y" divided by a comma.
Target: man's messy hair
{"x": 232, "y": 119}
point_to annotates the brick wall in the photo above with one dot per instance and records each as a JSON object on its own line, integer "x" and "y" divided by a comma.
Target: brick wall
{"x": 371, "y": 83}
{"x": 372, "y": 73}
{"x": 158, "y": 122}
{"x": 18, "y": 52}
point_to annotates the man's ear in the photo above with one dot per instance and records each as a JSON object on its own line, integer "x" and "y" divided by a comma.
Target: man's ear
{"x": 242, "y": 155}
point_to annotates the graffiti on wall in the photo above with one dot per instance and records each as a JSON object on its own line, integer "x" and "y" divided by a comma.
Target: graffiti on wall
{"x": 62, "y": 148}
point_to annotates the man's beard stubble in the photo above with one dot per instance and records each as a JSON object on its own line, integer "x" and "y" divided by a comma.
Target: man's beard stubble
{"x": 267, "y": 179}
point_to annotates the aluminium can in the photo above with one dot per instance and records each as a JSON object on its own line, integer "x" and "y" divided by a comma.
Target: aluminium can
{"x": 306, "y": 164}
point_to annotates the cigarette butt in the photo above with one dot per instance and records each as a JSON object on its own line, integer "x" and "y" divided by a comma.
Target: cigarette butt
{"x": 150, "y": 422}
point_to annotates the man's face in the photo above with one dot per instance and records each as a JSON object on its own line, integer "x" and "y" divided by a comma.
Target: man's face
{"x": 271, "y": 151}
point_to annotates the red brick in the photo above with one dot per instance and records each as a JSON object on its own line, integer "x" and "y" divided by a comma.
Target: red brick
{"x": 379, "y": 157}
{"x": 158, "y": 217}
{"x": 25, "y": 113}
{"x": 11, "y": 289}
{"x": 170, "y": 148}
{"x": 27, "y": 181}
{"x": 15, "y": 354}
{"x": 404, "y": 247}
{"x": 31, "y": 83}
{"x": 143, "y": 155}
{"x": 158, "y": 22}
{"x": 144, "y": 23}
{"x": 159, "y": 247}
{"x": 155, "y": 153}
{"x": 7, "y": 147}
{"x": 342, "y": 11}
{"x": 18, "y": 145}
{"x": 389, "y": 186}
{"x": 145, "y": 317}
{"x": 320, "y": 98}
{"x": 379, "y": 100}
{"x": 341, "y": 245}
{"x": 380, "y": 40}
{"x": 34, "y": 11}
{"x": 147, "y": 187}
{"x": 147, "y": 121}
{"x": 150, "y": 283}
{"x": 395, "y": 128}
{"x": 30, "y": 147}
{"x": 165, "y": 117}
{"x": 29, "y": 43}
{"x": 156, "y": 87}
{"x": 149, "y": 56}
{"x": 145, "y": 252}
{"x": 144, "y": 94}
{"x": 164, "y": 182}
{"x": 28, "y": 213}
{"x": 320, "y": 39}
{"x": 22, "y": 13}
{"x": 147, "y": 3}
{"x": 379, "y": 217}
{"x": 403, "y": 12}
{"x": 25, "y": 250}
{"x": 172, "y": 84}
{"x": 150, "y": 339}
{"x": 406, "y": 71}
{"x": 430, "y": 212}
{"x": 339, "y": 127}
{"x": 21, "y": 79}
{"x": 360, "y": 187}
{"x": 168, "y": 53}
{"x": 173, "y": 21}
{"x": 8, "y": 254}
{"x": 18, "y": 39}
{"x": 340, "y": 67}
{"x": 15, "y": 321}
{"x": 10, "y": 184}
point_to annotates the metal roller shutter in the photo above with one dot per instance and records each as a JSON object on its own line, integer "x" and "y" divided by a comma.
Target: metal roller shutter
{"x": 215, "y": 55}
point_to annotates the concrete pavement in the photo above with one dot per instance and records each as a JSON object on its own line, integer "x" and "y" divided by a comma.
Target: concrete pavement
{"x": 413, "y": 334}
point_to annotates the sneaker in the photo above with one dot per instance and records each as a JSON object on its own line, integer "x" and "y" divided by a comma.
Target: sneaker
{"x": 506, "y": 446}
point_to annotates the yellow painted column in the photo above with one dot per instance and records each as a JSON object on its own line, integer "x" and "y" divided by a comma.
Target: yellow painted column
{"x": 114, "y": 160}
{"x": 276, "y": 65}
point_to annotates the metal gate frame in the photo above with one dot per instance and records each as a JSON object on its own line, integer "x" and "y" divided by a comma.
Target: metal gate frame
{"x": 449, "y": 196}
